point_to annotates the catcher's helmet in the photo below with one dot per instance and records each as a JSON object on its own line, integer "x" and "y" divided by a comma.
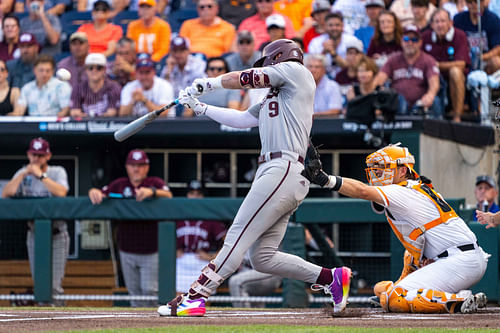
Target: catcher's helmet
{"x": 382, "y": 164}
{"x": 279, "y": 51}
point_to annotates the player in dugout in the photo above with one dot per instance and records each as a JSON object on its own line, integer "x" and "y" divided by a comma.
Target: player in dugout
{"x": 284, "y": 118}
{"x": 442, "y": 258}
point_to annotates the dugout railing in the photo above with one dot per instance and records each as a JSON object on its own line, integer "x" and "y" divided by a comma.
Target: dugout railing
{"x": 312, "y": 211}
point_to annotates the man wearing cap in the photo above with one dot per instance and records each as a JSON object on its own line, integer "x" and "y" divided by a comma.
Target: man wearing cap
{"x": 150, "y": 33}
{"x": 21, "y": 69}
{"x": 147, "y": 93}
{"x": 414, "y": 75}
{"x": 275, "y": 28}
{"x": 182, "y": 67}
{"x": 208, "y": 34}
{"x": 122, "y": 69}
{"x": 98, "y": 96}
{"x": 39, "y": 179}
{"x": 9, "y": 46}
{"x": 486, "y": 193}
{"x": 256, "y": 24}
{"x": 44, "y": 26}
{"x": 46, "y": 95}
{"x": 320, "y": 9}
{"x": 373, "y": 9}
{"x": 75, "y": 63}
{"x": 197, "y": 242}
{"x": 448, "y": 45}
{"x": 348, "y": 75}
{"x": 137, "y": 240}
{"x": 246, "y": 55}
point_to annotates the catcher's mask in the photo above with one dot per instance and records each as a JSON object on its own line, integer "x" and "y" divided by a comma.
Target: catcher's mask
{"x": 382, "y": 164}
{"x": 280, "y": 50}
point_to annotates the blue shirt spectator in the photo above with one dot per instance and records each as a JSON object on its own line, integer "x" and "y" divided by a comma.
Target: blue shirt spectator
{"x": 53, "y": 7}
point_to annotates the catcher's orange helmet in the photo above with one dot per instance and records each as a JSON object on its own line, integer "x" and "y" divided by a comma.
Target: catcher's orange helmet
{"x": 382, "y": 164}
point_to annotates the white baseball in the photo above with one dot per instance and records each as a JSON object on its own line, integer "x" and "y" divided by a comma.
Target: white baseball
{"x": 63, "y": 74}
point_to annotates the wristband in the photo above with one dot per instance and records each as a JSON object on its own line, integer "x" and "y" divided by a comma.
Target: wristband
{"x": 334, "y": 183}
{"x": 216, "y": 82}
{"x": 154, "y": 192}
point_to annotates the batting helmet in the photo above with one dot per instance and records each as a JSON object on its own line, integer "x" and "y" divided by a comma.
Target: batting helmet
{"x": 279, "y": 51}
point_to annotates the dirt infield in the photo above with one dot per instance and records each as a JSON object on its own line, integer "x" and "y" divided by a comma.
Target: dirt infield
{"x": 37, "y": 320}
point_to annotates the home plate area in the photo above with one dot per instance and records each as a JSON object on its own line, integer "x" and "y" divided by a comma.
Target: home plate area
{"x": 42, "y": 319}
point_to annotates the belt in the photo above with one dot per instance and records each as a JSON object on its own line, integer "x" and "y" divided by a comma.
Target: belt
{"x": 276, "y": 154}
{"x": 463, "y": 248}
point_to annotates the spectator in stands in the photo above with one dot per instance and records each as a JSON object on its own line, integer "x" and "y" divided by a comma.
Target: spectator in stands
{"x": 448, "y": 45}
{"x": 332, "y": 43}
{"x": 456, "y": 6}
{"x": 354, "y": 53}
{"x": 21, "y": 69}
{"x": 319, "y": 11}
{"x": 46, "y": 95}
{"x": 122, "y": 69}
{"x": 101, "y": 34}
{"x": 150, "y": 33}
{"x": 420, "y": 10}
{"x": 402, "y": 9}
{"x": 8, "y": 94}
{"x": 75, "y": 63}
{"x": 366, "y": 72}
{"x": 256, "y": 24}
{"x": 44, "y": 26}
{"x": 9, "y": 46}
{"x": 486, "y": 193}
{"x": 327, "y": 99}
{"x": 97, "y": 96}
{"x": 147, "y": 93}
{"x": 298, "y": 11}
{"x": 116, "y": 6}
{"x": 414, "y": 75}
{"x": 197, "y": 242}
{"x": 235, "y": 11}
{"x": 208, "y": 34}
{"x": 353, "y": 12}
{"x": 137, "y": 240}
{"x": 373, "y": 9}
{"x": 7, "y": 6}
{"x": 39, "y": 179}
{"x": 52, "y": 7}
{"x": 182, "y": 67}
{"x": 245, "y": 56}
{"x": 275, "y": 28}
{"x": 226, "y": 98}
{"x": 386, "y": 39}
{"x": 490, "y": 26}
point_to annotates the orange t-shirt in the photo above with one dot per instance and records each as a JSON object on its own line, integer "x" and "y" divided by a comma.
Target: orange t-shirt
{"x": 154, "y": 40}
{"x": 296, "y": 10}
{"x": 98, "y": 40}
{"x": 213, "y": 40}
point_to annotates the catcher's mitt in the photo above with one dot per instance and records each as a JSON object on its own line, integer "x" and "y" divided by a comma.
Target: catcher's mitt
{"x": 313, "y": 166}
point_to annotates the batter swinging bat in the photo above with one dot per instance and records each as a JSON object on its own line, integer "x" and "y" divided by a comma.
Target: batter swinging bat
{"x": 138, "y": 124}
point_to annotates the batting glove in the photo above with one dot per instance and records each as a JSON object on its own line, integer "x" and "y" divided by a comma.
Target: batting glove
{"x": 202, "y": 86}
{"x": 192, "y": 103}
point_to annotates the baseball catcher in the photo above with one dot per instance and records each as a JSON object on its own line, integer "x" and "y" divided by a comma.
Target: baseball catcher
{"x": 442, "y": 258}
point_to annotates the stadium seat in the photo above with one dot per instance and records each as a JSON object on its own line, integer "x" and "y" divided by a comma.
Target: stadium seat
{"x": 123, "y": 18}
{"x": 176, "y": 18}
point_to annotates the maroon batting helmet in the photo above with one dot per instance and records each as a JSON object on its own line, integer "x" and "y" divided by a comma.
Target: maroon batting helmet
{"x": 279, "y": 51}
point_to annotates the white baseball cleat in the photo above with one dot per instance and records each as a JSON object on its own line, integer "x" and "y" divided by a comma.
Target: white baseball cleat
{"x": 183, "y": 306}
{"x": 474, "y": 302}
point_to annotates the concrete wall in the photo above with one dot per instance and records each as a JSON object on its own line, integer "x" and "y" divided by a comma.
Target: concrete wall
{"x": 453, "y": 167}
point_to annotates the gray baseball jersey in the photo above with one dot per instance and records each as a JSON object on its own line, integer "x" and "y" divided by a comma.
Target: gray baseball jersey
{"x": 285, "y": 115}
{"x": 33, "y": 187}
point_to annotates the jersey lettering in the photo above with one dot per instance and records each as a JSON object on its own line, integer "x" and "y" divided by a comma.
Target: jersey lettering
{"x": 273, "y": 108}
{"x": 145, "y": 43}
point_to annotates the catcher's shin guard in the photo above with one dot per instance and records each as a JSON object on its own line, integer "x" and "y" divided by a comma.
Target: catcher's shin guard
{"x": 206, "y": 284}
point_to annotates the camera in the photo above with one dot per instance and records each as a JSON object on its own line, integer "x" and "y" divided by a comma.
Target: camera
{"x": 35, "y": 6}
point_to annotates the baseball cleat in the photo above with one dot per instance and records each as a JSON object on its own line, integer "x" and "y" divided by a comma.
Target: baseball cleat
{"x": 481, "y": 300}
{"x": 474, "y": 302}
{"x": 183, "y": 306}
{"x": 338, "y": 289}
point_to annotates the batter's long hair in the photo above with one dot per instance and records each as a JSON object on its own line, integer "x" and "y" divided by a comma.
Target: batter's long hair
{"x": 378, "y": 37}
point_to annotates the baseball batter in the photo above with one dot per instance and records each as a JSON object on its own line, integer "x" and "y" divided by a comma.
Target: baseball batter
{"x": 442, "y": 257}
{"x": 284, "y": 118}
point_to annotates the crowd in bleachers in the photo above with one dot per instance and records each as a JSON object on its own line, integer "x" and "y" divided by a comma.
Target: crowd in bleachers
{"x": 129, "y": 57}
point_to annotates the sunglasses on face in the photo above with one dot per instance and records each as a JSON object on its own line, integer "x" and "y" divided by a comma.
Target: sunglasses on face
{"x": 268, "y": 1}
{"x": 145, "y": 71}
{"x": 244, "y": 41}
{"x": 95, "y": 67}
{"x": 201, "y": 7}
{"x": 216, "y": 69}
{"x": 100, "y": 9}
{"x": 412, "y": 39}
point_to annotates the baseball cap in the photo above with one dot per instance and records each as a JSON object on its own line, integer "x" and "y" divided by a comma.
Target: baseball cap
{"x": 27, "y": 39}
{"x": 39, "y": 146}
{"x": 179, "y": 44}
{"x": 375, "y": 3}
{"x": 151, "y": 3}
{"x": 320, "y": 6}
{"x": 486, "y": 179}
{"x": 195, "y": 185}
{"x": 245, "y": 35}
{"x": 137, "y": 156}
{"x": 101, "y": 4}
{"x": 144, "y": 61}
{"x": 95, "y": 59}
{"x": 275, "y": 20}
{"x": 354, "y": 43}
{"x": 81, "y": 36}
{"x": 411, "y": 28}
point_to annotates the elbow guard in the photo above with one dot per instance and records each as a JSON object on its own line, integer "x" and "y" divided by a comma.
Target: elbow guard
{"x": 254, "y": 78}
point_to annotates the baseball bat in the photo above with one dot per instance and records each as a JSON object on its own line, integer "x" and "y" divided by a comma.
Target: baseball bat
{"x": 138, "y": 124}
